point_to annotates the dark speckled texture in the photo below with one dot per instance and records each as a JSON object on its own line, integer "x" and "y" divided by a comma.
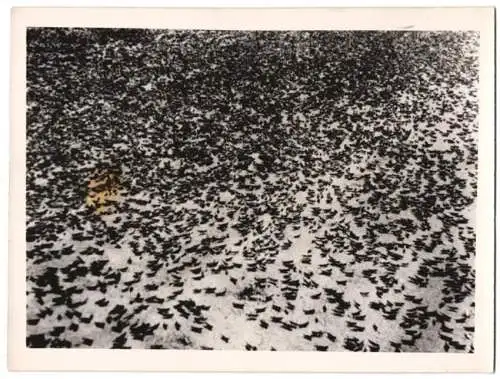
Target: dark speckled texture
{"x": 251, "y": 190}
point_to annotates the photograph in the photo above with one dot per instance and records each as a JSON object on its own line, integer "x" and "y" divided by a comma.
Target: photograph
{"x": 290, "y": 190}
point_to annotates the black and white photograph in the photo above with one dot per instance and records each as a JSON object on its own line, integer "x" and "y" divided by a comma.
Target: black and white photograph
{"x": 251, "y": 190}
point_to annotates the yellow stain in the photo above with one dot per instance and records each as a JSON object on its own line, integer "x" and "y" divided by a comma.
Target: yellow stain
{"x": 103, "y": 192}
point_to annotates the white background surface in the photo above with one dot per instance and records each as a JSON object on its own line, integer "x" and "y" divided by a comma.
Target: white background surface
{"x": 5, "y": 6}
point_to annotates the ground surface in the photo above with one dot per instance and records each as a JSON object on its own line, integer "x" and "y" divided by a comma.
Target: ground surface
{"x": 241, "y": 190}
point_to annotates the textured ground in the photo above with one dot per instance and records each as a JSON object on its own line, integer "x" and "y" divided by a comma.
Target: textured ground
{"x": 242, "y": 190}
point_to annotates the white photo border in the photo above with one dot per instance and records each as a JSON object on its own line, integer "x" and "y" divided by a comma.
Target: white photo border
{"x": 21, "y": 358}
